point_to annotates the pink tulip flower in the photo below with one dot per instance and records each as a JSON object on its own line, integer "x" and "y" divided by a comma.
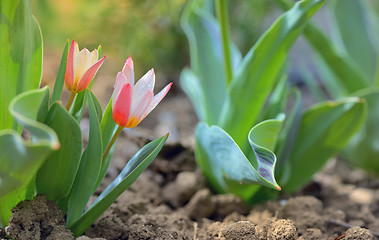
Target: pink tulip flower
{"x": 81, "y": 67}
{"x": 132, "y": 103}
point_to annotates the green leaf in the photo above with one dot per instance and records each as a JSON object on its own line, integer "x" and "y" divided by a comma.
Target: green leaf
{"x": 204, "y": 36}
{"x": 108, "y": 128}
{"x": 353, "y": 31}
{"x": 59, "y": 81}
{"x": 20, "y": 55}
{"x": 192, "y": 87}
{"x": 225, "y": 165}
{"x": 260, "y": 68}
{"x": 325, "y": 129}
{"x": 57, "y": 174}
{"x": 363, "y": 149}
{"x": 89, "y": 168}
{"x": 349, "y": 75}
{"x": 312, "y": 84}
{"x": 278, "y": 100}
{"x": 287, "y": 138}
{"x": 79, "y": 106}
{"x": 99, "y": 111}
{"x": 20, "y": 159}
{"x": 140, "y": 161}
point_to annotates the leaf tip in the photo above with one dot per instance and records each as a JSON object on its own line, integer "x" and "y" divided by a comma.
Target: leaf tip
{"x": 56, "y": 145}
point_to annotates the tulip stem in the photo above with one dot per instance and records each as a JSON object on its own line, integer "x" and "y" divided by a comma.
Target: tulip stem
{"x": 222, "y": 14}
{"x": 70, "y": 100}
{"x": 113, "y": 140}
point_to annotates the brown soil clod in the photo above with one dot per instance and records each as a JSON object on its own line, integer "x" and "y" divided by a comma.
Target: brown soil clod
{"x": 38, "y": 219}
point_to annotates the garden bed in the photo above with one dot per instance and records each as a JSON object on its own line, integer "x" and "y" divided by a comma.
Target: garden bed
{"x": 171, "y": 199}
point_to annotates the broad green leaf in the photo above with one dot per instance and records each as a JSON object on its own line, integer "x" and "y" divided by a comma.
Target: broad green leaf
{"x": 260, "y": 69}
{"x": 59, "y": 81}
{"x": 363, "y": 149}
{"x": 20, "y": 159}
{"x": 58, "y": 172}
{"x": 192, "y": 87}
{"x": 140, "y": 161}
{"x": 204, "y": 36}
{"x": 349, "y": 76}
{"x": 225, "y": 165}
{"x": 353, "y": 31}
{"x": 324, "y": 130}
{"x": 20, "y": 55}
{"x": 89, "y": 168}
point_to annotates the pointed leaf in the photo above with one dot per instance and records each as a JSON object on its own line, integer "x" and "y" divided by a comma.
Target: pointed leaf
{"x": 140, "y": 161}
{"x": 324, "y": 130}
{"x": 59, "y": 81}
{"x": 89, "y": 169}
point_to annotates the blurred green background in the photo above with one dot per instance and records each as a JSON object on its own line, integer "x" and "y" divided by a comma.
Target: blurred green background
{"x": 148, "y": 30}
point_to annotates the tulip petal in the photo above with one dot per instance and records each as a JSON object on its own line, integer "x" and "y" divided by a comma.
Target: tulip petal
{"x": 140, "y": 108}
{"x": 120, "y": 82}
{"x": 69, "y": 75}
{"x": 82, "y": 62}
{"x": 159, "y": 97}
{"x": 128, "y": 70}
{"x": 145, "y": 83}
{"x": 122, "y": 104}
{"x": 88, "y": 76}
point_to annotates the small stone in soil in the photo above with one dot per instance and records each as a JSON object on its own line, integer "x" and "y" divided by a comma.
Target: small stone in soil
{"x": 304, "y": 212}
{"x": 358, "y": 233}
{"x": 239, "y": 231}
{"x": 227, "y": 204}
{"x": 200, "y": 205}
{"x": 180, "y": 191}
{"x": 281, "y": 229}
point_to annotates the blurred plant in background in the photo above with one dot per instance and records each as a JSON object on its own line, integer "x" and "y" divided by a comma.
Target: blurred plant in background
{"x": 247, "y": 117}
{"x": 348, "y": 65}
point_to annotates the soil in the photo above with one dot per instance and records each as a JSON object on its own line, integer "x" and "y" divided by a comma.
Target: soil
{"x": 171, "y": 199}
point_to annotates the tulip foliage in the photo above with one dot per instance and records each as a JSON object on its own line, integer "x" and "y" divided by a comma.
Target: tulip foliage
{"x": 51, "y": 160}
{"x": 253, "y": 131}
{"x": 350, "y": 63}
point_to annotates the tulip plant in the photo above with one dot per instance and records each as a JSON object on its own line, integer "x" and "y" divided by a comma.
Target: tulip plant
{"x": 253, "y": 131}
{"x": 51, "y": 160}
{"x": 349, "y": 66}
